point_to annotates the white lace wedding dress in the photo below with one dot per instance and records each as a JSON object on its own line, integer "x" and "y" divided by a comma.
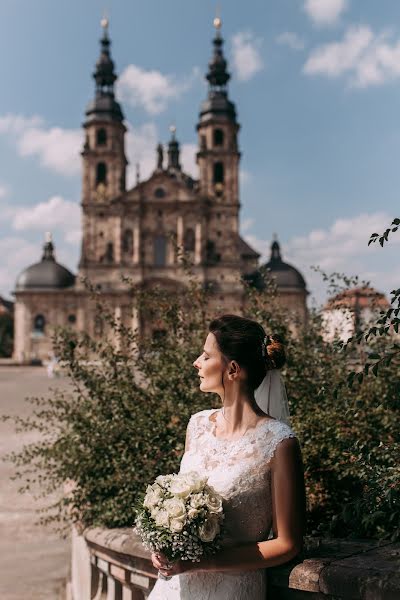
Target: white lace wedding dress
{"x": 239, "y": 470}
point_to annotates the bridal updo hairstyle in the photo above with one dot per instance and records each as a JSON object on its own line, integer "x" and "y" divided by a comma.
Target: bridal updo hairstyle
{"x": 242, "y": 340}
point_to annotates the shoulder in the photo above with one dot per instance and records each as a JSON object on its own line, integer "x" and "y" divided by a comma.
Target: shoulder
{"x": 201, "y": 414}
{"x": 281, "y": 439}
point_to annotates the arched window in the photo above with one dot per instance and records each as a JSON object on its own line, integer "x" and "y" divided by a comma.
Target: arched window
{"x": 160, "y": 250}
{"x": 71, "y": 319}
{"x": 218, "y": 172}
{"x": 101, "y": 173}
{"x": 101, "y": 137}
{"x": 218, "y": 137}
{"x": 189, "y": 240}
{"x": 39, "y": 324}
{"x": 127, "y": 241}
{"x": 110, "y": 252}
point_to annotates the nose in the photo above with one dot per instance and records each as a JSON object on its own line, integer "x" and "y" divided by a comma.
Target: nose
{"x": 196, "y": 364}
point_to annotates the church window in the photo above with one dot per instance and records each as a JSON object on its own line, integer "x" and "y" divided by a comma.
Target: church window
{"x": 71, "y": 319}
{"x": 160, "y": 250}
{"x": 110, "y": 252}
{"x": 212, "y": 257}
{"x": 127, "y": 241}
{"x": 189, "y": 240}
{"x": 219, "y": 233}
{"x": 39, "y": 324}
{"x": 159, "y": 192}
{"x": 218, "y": 172}
{"x": 101, "y": 173}
{"x": 159, "y": 335}
{"x": 218, "y": 137}
{"x": 101, "y": 137}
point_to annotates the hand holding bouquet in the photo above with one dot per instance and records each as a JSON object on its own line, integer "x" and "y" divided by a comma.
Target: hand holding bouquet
{"x": 181, "y": 517}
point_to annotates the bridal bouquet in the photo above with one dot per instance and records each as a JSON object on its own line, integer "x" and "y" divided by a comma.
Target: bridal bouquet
{"x": 181, "y": 516}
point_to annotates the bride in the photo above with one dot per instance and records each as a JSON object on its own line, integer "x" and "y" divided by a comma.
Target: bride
{"x": 251, "y": 457}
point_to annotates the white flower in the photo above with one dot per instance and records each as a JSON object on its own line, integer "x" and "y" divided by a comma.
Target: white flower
{"x": 192, "y": 513}
{"x": 214, "y": 502}
{"x": 163, "y": 479}
{"x": 181, "y": 486}
{"x": 209, "y": 529}
{"x": 176, "y": 525}
{"x": 161, "y": 518}
{"x": 175, "y": 508}
{"x": 197, "y": 500}
{"x": 196, "y": 482}
{"x": 154, "y": 495}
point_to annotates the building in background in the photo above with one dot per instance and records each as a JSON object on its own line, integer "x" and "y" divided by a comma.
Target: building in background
{"x": 135, "y": 232}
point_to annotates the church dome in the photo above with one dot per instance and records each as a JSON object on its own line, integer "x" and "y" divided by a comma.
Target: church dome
{"x": 287, "y": 277}
{"x": 46, "y": 274}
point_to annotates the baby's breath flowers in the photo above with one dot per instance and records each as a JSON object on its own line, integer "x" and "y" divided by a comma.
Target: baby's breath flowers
{"x": 180, "y": 516}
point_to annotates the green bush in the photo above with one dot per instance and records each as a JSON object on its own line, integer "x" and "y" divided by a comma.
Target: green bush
{"x": 125, "y": 421}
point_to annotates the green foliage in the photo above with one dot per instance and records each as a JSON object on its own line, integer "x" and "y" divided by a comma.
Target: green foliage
{"x": 125, "y": 421}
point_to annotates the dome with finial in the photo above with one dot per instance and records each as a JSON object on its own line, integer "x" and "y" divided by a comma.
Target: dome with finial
{"x": 287, "y": 277}
{"x": 104, "y": 105}
{"x": 173, "y": 150}
{"x": 46, "y": 274}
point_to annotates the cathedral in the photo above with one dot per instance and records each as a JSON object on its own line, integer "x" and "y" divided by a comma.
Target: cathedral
{"x": 135, "y": 232}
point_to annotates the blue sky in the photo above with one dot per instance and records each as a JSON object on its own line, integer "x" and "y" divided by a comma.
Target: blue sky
{"x": 316, "y": 84}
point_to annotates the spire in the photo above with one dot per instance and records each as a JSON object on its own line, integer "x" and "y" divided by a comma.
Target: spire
{"x": 104, "y": 105}
{"x": 275, "y": 249}
{"x": 48, "y": 248}
{"x": 217, "y": 75}
{"x": 173, "y": 150}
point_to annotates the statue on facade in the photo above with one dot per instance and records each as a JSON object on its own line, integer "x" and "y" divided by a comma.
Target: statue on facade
{"x": 160, "y": 156}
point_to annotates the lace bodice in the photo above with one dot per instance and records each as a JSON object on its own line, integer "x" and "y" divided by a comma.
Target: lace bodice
{"x": 239, "y": 470}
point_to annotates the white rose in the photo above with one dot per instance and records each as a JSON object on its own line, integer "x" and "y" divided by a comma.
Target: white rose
{"x": 213, "y": 503}
{"x": 197, "y": 500}
{"x": 196, "y": 482}
{"x": 192, "y": 513}
{"x": 181, "y": 486}
{"x": 177, "y": 525}
{"x": 175, "y": 508}
{"x": 163, "y": 480}
{"x": 154, "y": 495}
{"x": 161, "y": 518}
{"x": 209, "y": 529}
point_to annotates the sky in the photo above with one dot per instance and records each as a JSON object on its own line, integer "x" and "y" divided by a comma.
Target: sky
{"x": 316, "y": 84}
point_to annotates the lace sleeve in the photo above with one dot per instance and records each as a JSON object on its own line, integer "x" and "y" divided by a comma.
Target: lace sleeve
{"x": 280, "y": 432}
{"x": 194, "y": 430}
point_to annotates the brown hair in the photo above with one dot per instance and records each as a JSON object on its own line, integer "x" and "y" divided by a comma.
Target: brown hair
{"x": 246, "y": 342}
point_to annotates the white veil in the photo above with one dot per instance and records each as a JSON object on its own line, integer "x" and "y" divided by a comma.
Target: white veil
{"x": 271, "y": 396}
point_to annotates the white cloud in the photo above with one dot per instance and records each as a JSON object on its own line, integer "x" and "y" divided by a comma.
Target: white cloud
{"x": 20, "y": 254}
{"x": 53, "y": 213}
{"x": 151, "y": 90}
{"x": 3, "y": 190}
{"x": 342, "y": 247}
{"x": 291, "y": 39}
{"x": 57, "y": 149}
{"x": 247, "y": 59}
{"x": 325, "y": 12}
{"x": 366, "y": 58}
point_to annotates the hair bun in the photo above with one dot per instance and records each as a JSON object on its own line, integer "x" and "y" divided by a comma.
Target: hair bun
{"x": 276, "y": 351}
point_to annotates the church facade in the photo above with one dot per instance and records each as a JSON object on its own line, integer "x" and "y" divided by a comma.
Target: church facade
{"x": 135, "y": 232}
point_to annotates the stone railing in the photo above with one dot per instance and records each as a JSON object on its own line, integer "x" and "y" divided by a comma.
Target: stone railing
{"x": 111, "y": 564}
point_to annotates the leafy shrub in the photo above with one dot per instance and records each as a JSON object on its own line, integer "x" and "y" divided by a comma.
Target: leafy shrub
{"x": 124, "y": 424}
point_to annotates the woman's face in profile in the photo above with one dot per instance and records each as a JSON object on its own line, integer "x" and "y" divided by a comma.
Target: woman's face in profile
{"x": 210, "y": 366}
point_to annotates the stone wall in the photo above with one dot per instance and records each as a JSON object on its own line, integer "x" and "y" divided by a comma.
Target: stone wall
{"x": 112, "y": 564}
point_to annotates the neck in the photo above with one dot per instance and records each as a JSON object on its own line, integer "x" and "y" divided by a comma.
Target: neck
{"x": 240, "y": 410}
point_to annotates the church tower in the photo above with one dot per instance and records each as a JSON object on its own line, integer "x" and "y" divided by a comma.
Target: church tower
{"x": 104, "y": 160}
{"x": 218, "y": 155}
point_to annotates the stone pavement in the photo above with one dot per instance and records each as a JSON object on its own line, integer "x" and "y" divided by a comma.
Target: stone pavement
{"x": 34, "y": 560}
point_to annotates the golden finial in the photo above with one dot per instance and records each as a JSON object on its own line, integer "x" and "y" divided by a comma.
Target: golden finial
{"x": 104, "y": 21}
{"x": 172, "y": 129}
{"x": 48, "y": 238}
{"x": 217, "y": 21}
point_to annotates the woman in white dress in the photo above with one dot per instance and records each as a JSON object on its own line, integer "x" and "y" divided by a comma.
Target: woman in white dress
{"x": 251, "y": 458}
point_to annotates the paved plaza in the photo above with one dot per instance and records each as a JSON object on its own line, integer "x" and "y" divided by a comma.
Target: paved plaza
{"x": 34, "y": 560}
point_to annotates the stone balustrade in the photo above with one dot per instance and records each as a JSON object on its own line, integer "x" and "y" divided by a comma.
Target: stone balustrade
{"x": 111, "y": 564}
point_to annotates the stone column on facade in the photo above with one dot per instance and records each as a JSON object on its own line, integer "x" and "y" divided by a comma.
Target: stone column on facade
{"x": 118, "y": 239}
{"x": 80, "y": 317}
{"x": 117, "y": 319}
{"x": 197, "y": 248}
{"x": 136, "y": 244}
{"x": 179, "y": 231}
